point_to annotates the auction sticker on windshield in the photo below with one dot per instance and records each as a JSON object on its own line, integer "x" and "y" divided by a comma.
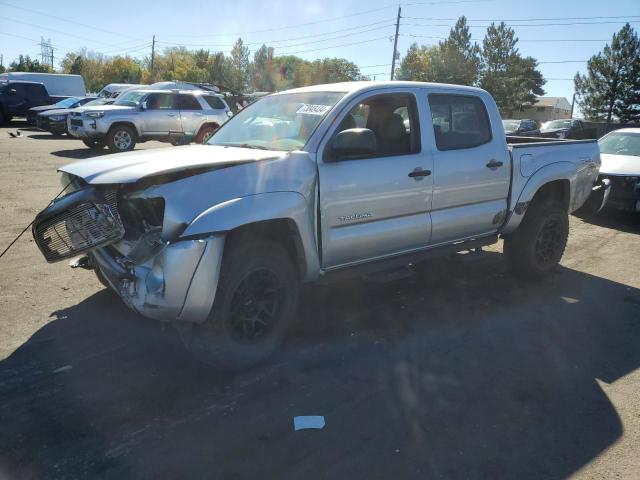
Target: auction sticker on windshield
{"x": 307, "y": 109}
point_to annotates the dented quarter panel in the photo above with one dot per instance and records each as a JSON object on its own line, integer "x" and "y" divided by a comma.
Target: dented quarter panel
{"x": 533, "y": 167}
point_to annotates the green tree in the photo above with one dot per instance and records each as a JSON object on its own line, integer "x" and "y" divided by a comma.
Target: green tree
{"x": 513, "y": 80}
{"x": 455, "y": 60}
{"x": 611, "y": 86}
{"x": 24, "y": 63}
{"x": 240, "y": 62}
{"x": 417, "y": 64}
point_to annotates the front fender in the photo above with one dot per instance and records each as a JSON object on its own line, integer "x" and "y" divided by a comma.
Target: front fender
{"x": 262, "y": 207}
{"x": 547, "y": 174}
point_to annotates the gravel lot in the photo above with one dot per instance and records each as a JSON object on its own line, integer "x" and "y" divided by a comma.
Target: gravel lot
{"x": 457, "y": 372}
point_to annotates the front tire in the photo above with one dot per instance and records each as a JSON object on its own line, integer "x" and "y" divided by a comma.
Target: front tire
{"x": 536, "y": 247}
{"x": 205, "y": 134}
{"x": 121, "y": 138}
{"x": 255, "y": 303}
{"x": 93, "y": 144}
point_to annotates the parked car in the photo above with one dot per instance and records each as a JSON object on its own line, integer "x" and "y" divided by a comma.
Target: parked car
{"x": 17, "y": 97}
{"x": 114, "y": 89}
{"x": 176, "y": 116}
{"x": 523, "y": 128}
{"x": 620, "y": 152}
{"x": 567, "y": 128}
{"x": 57, "y": 85}
{"x": 55, "y": 121}
{"x": 71, "y": 102}
{"x": 217, "y": 238}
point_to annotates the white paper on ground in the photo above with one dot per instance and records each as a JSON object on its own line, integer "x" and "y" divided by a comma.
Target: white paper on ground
{"x": 309, "y": 421}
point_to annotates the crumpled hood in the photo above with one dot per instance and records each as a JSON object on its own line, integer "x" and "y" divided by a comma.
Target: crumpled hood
{"x": 132, "y": 166}
{"x": 620, "y": 164}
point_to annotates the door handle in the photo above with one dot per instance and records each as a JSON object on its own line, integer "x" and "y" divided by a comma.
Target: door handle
{"x": 494, "y": 164}
{"x": 418, "y": 173}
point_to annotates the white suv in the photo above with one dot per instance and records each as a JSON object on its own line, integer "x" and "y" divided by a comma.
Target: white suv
{"x": 176, "y": 116}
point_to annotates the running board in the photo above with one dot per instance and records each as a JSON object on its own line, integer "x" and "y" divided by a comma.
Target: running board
{"x": 399, "y": 261}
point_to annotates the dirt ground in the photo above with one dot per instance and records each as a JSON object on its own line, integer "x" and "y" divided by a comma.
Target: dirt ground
{"x": 457, "y": 372}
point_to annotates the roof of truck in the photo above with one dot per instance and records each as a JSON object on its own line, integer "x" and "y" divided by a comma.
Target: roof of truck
{"x": 349, "y": 87}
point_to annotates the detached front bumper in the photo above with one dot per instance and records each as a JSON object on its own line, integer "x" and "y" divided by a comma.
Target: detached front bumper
{"x": 179, "y": 283}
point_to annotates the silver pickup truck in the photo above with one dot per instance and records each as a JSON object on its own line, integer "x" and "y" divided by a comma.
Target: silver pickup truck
{"x": 312, "y": 184}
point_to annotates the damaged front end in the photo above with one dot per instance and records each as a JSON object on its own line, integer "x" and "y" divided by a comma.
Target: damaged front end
{"x": 121, "y": 233}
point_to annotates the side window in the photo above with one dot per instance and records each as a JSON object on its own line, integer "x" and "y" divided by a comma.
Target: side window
{"x": 159, "y": 101}
{"x": 393, "y": 118}
{"x": 459, "y": 121}
{"x": 186, "y": 102}
{"x": 214, "y": 102}
{"x": 36, "y": 92}
{"x": 19, "y": 88}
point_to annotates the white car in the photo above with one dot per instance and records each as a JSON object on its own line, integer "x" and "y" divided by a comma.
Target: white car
{"x": 620, "y": 154}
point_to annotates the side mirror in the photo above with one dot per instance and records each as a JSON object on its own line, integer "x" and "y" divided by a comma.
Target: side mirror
{"x": 143, "y": 105}
{"x": 354, "y": 142}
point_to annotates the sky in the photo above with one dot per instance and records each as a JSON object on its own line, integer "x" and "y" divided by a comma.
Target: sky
{"x": 566, "y": 32}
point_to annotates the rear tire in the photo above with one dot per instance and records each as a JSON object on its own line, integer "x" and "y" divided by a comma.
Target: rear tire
{"x": 255, "y": 303}
{"x": 93, "y": 144}
{"x": 121, "y": 138}
{"x": 205, "y": 134}
{"x": 536, "y": 247}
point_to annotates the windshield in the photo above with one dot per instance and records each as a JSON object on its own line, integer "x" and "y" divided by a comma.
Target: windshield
{"x": 277, "y": 122}
{"x": 555, "y": 124}
{"x": 130, "y": 99}
{"x": 620, "y": 144}
{"x": 510, "y": 125}
{"x": 97, "y": 101}
{"x": 67, "y": 102}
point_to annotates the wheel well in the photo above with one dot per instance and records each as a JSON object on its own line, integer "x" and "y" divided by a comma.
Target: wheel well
{"x": 128, "y": 124}
{"x": 283, "y": 231}
{"x": 558, "y": 190}
{"x": 208, "y": 124}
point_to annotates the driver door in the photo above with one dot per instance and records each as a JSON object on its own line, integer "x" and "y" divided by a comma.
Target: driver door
{"x": 160, "y": 117}
{"x": 376, "y": 205}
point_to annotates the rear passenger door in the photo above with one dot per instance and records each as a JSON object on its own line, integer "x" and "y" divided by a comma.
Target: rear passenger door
{"x": 160, "y": 116}
{"x": 471, "y": 169}
{"x": 36, "y": 95}
{"x": 191, "y": 114}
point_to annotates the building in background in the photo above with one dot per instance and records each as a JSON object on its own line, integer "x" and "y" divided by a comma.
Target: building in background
{"x": 545, "y": 109}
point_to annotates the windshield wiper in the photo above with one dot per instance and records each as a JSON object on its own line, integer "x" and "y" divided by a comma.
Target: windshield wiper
{"x": 245, "y": 145}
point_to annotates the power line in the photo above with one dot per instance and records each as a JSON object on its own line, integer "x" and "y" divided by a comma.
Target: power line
{"x": 526, "y": 24}
{"x": 547, "y": 40}
{"x": 52, "y": 30}
{"x": 523, "y": 19}
{"x": 336, "y": 46}
{"x": 270, "y": 43}
{"x": 92, "y": 27}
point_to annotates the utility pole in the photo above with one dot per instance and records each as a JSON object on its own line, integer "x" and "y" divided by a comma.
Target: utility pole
{"x": 153, "y": 53}
{"x": 573, "y": 101}
{"x": 395, "y": 45}
{"x": 51, "y": 51}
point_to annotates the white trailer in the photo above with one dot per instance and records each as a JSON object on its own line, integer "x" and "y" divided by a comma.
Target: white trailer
{"x": 58, "y": 85}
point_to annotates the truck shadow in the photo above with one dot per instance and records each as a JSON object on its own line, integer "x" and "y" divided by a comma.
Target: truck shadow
{"x": 456, "y": 372}
{"x": 617, "y": 220}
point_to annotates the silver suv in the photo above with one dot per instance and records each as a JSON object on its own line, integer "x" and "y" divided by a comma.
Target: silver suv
{"x": 176, "y": 116}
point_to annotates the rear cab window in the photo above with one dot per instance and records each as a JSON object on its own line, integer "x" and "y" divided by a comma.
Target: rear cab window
{"x": 459, "y": 121}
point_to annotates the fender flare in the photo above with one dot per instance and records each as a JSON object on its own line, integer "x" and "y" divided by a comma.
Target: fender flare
{"x": 549, "y": 173}
{"x": 261, "y": 207}
{"x": 128, "y": 122}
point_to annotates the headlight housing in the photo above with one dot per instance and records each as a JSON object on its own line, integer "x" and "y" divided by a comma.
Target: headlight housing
{"x": 57, "y": 118}
{"x": 95, "y": 114}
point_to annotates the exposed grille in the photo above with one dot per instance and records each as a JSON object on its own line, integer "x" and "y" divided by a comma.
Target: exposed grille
{"x": 76, "y": 121}
{"x": 84, "y": 226}
{"x": 623, "y": 187}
